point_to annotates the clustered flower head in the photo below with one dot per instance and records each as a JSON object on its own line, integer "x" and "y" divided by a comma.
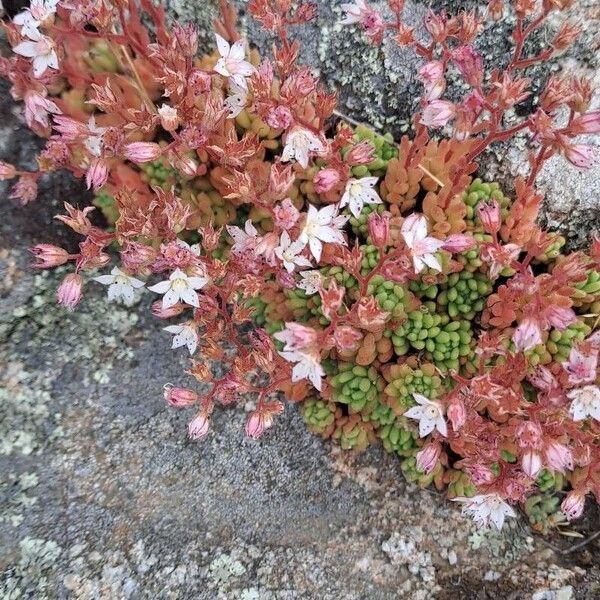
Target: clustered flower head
{"x": 396, "y": 297}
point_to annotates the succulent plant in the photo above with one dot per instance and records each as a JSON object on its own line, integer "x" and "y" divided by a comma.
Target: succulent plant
{"x": 357, "y": 387}
{"x": 353, "y": 433}
{"x": 319, "y": 416}
{"x": 543, "y": 512}
{"x": 463, "y": 294}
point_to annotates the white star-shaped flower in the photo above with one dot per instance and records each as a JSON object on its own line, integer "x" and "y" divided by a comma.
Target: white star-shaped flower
{"x": 311, "y": 281}
{"x": 232, "y": 63}
{"x": 486, "y": 508}
{"x": 322, "y": 225}
{"x": 299, "y": 143}
{"x": 414, "y": 232}
{"x": 185, "y": 334}
{"x": 585, "y": 403}
{"x": 308, "y": 366}
{"x": 180, "y": 287}
{"x": 429, "y": 414}
{"x": 31, "y": 18}
{"x": 244, "y": 240}
{"x": 236, "y": 101}
{"x": 360, "y": 192}
{"x": 43, "y": 51}
{"x": 289, "y": 253}
{"x": 121, "y": 286}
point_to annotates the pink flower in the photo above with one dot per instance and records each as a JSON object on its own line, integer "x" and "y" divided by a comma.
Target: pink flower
{"x": 325, "y": 180}
{"x": 361, "y": 154}
{"x": 142, "y": 152}
{"x": 581, "y": 366}
{"x": 286, "y": 215}
{"x": 97, "y": 173}
{"x": 166, "y": 313}
{"x": 48, "y": 256}
{"x": 437, "y": 113}
{"x": 169, "y": 119}
{"x": 490, "y": 216}
{"x": 359, "y": 192}
{"x": 70, "y": 291}
{"x": 580, "y": 155}
{"x": 559, "y": 457}
{"x": 469, "y": 64}
{"x": 499, "y": 257}
{"x": 346, "y": 338}
{"x": 572, "y": 506}
{"x": 299, "y": 143}
{"x": 428, "y": 457}
{"x": 179, "y": 397}
{"x": 560, "y": 317}
{"x": 279, "y": 118}
{"x": 432, "y": 76}
{"x": 232, "y": 63}
{"x": 379, "y": 229}
{"x": 37, "y": 109}
{"x": 198, "y": 426}
{"x": 531, "y": 463}
{"x": 588, "y": 123}
{"x": 370, "y": 19}
{"x": 527, "y": 335}
{"x": 297, "y": 337}
{"x": 456, "y": 413}
{"x": 423, "y": 248}
{"x": 459, "y": 242}
{"x": 331, "y": 298}
{"x": 255, "y": 425}
{"x": 25, "y": 189}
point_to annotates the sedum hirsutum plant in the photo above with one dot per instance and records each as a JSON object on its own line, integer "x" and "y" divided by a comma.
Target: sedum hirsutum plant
{"x": 397, "y": 297}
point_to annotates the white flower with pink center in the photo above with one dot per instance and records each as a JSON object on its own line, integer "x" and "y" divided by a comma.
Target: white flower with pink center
{"x": 290, "y": 253}
{"x": 429, "y": 414}
{"x": 180, "y": 288}
{"x": 299, "y": 143}
{"x": 232, "y": 64}
{"x": 43, "y": 51}
{"x": 358, "y": 193}
{"x": 585, "y": 402}
{"x": 185, "y": 334}
{"x": 121, "y": 286}
{"x": 31, "y": 18}
{"x": 423, "y": 248}
{"x": 486, "y": 509}
{"x": 322, "y": 225}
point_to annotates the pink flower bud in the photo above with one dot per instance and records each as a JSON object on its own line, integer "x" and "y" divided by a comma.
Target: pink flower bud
{"x": 580, "y": 155}
{"x": 428, "y": 457}
{"x": 379, "y": 229}
{"x": 97, "y": 173}
{"x": 490, "y": 216}
{"x": 496, "y": 9}
{"x": 325, "y": 180}
{"x": 286, "y": 215}
{"x": 459, "y": 243}
{"x": 469, "y": 64}
{"x": 70, "y": 290}
{"x": 166, "y": 313}
{"x": 559, "y": 457}
{"x": 142, "y": 152}
{"x": 198, "y": 426}
{"x": 7, "y": 171}
{"x": 361, "y": 154}
{"x": 297, "y": 337}
{"x": 437, "y": 113}
{"x": 169, "y": 119}
{"x": 527, "y": 335}
{"x": 572, "y": 506}
{"x": 331, "y": 299}
{"x": 456, "y": 413}
{"x": 279, "y": 118}
{"x": 531, "y": 463}
{"x": 255, "y": 425}
{"x": 560, "y": 317}
{"x": 47, "y": 256}
{"x": 178, "y": 397}
{"x": 346, "y": 338}
{"x": 588, "y": 123}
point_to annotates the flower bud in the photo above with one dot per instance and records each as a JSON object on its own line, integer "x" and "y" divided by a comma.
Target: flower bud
{"x": 198, "y": 426}
{"x": 7, "y": 171}
{"x": 580, "y": 155}
{"x": 559, "y": 457}
{"x": 496, "y": 9}
{"x": 379, "y": 229}
{"x": 166, "y": 313}
{"x": 97, "y": 174}
{"x": 169, "y": 119}
{"x": 325, "y": 180}
{"x": 331, "y": 299}
{"x": 456, "y": 413}
{"x": 459, "y": 243}
{"x": 588, "y": 123}
{"x": 279, "y": 118}
{"x": 437, "y": 113}
{"x": 47, "y": 255}
{"x": 572, "y": 506}
{"x": 255, "y": 425}
{"x": 361, "y": 154}
{"x": 428, "y": 457}
{"x": 142, "y": 152}
{"x": 527, "y": 335}
{"x": 70, "y": 291}
{"x": 531, "y": 463}
{"x": 179, "y": 397}
{"x": 490, "y": 216}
